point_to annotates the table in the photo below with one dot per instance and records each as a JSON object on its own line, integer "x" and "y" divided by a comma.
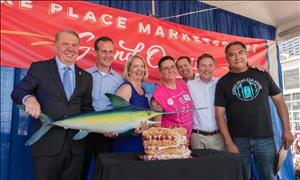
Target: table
{"x": 206, "y": 164}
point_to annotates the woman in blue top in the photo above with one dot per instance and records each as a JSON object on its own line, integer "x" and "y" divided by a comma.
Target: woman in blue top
{"x": 135, "y": 72}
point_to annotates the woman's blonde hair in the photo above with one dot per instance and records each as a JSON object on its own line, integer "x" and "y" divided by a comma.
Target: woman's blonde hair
{"x": 128, "y": 65}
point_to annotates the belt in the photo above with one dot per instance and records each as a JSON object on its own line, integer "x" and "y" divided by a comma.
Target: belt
{"x": 205, "y": 133}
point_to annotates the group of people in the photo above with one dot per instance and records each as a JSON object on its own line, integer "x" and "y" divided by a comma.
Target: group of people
{"x": 229, "y": 113}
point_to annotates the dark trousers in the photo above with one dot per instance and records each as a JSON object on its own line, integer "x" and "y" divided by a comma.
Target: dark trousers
{"x": 65, "y": 165}
{"x": 96, "y": 143}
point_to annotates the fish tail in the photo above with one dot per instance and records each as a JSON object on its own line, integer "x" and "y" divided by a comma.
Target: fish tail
{"x": 46, "y": 126}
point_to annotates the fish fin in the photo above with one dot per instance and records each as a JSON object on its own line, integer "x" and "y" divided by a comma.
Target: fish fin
{"x": 37, "y": 135}
{"x": 46, "y": 126}
{"x": 117, "y": 101}
{"x": 81, "y": 134}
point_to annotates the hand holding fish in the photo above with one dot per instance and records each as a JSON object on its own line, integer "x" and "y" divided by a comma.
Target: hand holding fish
{"x": 111, "y": 123}
{"x": 32, "y": 107}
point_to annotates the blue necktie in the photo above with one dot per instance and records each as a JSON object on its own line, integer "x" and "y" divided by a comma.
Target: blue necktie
{"x": 67, "y": 82}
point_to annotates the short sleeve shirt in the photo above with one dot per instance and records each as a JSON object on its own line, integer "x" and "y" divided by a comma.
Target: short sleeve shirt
{"x": 177, "y": 99}
{"x": 245, "y": 97}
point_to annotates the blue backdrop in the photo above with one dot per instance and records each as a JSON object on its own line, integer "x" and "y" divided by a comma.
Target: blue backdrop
{"x": 15, "y": 126}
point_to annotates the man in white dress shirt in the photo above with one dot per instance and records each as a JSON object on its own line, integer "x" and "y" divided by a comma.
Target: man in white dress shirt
{"x": 205, "y": 132}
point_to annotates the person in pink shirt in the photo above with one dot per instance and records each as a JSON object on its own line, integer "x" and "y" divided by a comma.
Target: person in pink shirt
{"x": 172, "y": 95}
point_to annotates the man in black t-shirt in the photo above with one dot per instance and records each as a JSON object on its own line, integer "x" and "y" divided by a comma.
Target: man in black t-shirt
{"x": 243, "y": 95}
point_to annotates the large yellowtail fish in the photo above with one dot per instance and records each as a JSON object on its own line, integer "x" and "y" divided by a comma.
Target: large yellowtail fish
{"x": 122, "y": 118}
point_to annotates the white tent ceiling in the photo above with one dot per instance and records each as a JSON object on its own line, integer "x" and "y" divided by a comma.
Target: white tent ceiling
{"x": 284, "y": 15}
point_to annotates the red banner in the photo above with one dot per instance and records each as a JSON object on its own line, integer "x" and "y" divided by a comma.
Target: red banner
{"x": 28, "y": 29}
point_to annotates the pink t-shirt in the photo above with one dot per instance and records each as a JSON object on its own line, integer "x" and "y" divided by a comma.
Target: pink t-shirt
{"x": 175, "y": 100}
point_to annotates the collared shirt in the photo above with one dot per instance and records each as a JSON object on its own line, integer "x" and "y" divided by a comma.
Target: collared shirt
{"x": 203, "y": 96}
{"x": 61, "y": 71}
{"x": 108, "y": 83}
{"x": 60, "y": 67}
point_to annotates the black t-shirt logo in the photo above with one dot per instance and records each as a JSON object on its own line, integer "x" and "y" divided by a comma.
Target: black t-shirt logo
{"x": 246, "y": 89}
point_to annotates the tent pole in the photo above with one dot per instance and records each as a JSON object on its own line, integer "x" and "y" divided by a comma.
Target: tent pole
{"x": 153, "y": 8}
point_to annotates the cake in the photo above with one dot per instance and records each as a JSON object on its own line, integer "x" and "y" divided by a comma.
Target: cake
{"x": 165, "y": 143}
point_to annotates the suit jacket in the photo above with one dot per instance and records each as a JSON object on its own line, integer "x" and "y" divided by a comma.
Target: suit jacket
{"x": 43, "y": 81}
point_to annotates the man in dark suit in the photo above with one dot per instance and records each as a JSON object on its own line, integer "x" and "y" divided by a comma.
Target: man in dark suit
{"x": 59, "y": 89}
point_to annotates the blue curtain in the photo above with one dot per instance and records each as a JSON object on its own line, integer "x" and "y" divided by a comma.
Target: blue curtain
{"x": 141, "y": 7}
{"x": 287, "y": 170}
{"x": 15, "y": 126}
{"x": 217, "y": 20}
